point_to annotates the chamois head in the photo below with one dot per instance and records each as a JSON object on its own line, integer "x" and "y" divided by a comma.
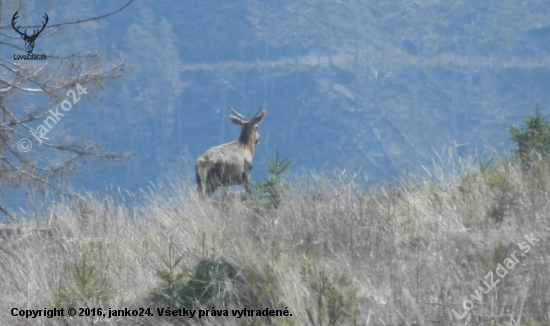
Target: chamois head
{"x": 249, "y": 129}
{"x": 230, "y": 164}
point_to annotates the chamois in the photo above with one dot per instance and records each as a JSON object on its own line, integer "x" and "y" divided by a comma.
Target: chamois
{"x": 229, "y": 164}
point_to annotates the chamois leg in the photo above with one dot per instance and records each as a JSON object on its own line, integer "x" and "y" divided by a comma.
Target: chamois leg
{"x": 211, "y": 186}
{"x": 199, "y": 185}
{"x": 246, "y": 186}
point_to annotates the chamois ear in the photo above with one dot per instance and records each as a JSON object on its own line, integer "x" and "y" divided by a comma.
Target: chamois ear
{"x": 258, "y": 118}
{"x": 236, "y": 121}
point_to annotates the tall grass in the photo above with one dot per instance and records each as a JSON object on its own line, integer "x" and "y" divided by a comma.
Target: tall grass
{"x": 332, "y": 253}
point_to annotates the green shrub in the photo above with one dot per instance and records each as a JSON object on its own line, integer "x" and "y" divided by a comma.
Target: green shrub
{"x": 215, "y": 282}
{"x": 333, "y": 303}
{"x": 273, "y": 190}
{"x": 88, "y": 289}
{"x": 190, "y": 288}
{"x": 503, "y": 195}
{"x": 532, "y": 141}
{"x": 261, "y": 291}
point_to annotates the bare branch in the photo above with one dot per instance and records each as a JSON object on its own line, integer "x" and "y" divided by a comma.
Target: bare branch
{"x": 35, "y": 178}
{"x": 7, "y": 213}
{"x": 48, "y": 84}
{"x": 77, "y": 21}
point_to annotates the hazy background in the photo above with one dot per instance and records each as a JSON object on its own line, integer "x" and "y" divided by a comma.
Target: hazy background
{"x": 375, "y": 87}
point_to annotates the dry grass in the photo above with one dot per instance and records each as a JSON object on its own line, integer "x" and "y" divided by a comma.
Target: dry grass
{"x": 403, "y": 255}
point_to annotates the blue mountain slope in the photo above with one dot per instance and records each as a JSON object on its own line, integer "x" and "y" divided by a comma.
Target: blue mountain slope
{"x": 371, "y": 86}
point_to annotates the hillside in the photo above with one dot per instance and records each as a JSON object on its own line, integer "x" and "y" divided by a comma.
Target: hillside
{"x": 403, "y": 205}
{"x": 332, "y": 254}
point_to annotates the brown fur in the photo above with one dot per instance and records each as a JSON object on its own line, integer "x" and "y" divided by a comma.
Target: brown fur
{"x": 229, "y": 164}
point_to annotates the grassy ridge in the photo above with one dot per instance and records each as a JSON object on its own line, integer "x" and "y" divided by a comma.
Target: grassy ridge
{"x": 332, "y": 253}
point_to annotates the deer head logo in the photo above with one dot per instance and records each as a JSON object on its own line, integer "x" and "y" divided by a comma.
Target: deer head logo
{"x": 29, "y": 40}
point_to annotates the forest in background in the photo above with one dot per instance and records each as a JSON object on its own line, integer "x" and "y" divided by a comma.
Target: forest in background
{"x": 375, "y": 87}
